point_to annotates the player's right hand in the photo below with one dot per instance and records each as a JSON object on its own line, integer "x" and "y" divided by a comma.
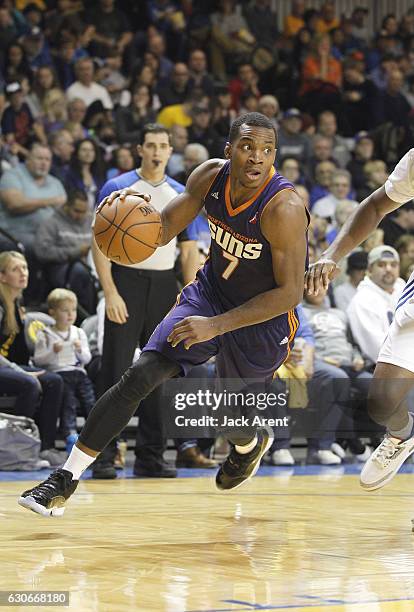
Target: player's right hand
{"x": 319, "y": 275}
{"x": 116, "y": 309}
{"x": 122, "y": 193}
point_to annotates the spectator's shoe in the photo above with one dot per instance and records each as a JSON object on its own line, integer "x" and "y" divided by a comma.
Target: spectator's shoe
{"x": 194, "y": 458}
{"x": 49, "y": 497}
{"x": 71, "y": 439}
{"x": 362, "y": 457}
{"x": 283, "y": 456}
{"x": 154, "y": 469}
{"x": 103, "y": 471}
{"x": 238, "y": 468}
{"x": 338, "y": 449}
{"x": 323, "y": 457}
{"x": 53, "y": 456}
{"x": 385, "y": 462}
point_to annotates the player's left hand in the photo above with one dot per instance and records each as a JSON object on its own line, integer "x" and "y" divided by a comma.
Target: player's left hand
{"x": 193, "y": 330}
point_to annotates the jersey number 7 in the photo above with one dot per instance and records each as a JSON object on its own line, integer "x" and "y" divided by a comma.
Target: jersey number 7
{"x": 234, "y": 262}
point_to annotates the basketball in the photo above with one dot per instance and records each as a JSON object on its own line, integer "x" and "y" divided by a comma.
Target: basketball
{"x": 128, "y": 230}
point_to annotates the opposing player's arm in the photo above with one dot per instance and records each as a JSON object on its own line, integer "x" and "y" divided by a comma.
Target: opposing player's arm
{"x": 184, "y": 208}
{"x": 284, "y": 223}
{"x": 361, "y": 223}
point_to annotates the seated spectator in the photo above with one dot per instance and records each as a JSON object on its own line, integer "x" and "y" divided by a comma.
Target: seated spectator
{"x": 62, "y": 145}
{"x": 55, "y": 111}
{"x": 405, "y": 248}
{"x": 156, "y": 57}
{"x": 202, "y": 132}
{"x": 86, "y": 170}
{"x": 269, "y": 106}
{"x": 199, "y": 76}
{"x": 62, "y": 245}
{"x": 394, "y": 106}
{"x": 86, "y": 88}
{"x": 230, "y": 37}
{"x": 180, "y": 114}
{"x": 248, "y": 103}
{"x": 178, "y": 88}
{"x": 359, "y": 27}
{"x": 359, "y": 109}
{"x": 327, "y": 127}
{"x": 38, "y": 393}
{"x": 338, "y": 190}
{"x": 380, "y": 74}
{"x": 28, "y": 195}
{"x": 290, "y": 169}
{"x": 323, "y": 178}
{"x": 76, "y": 117}
{"x": 15, "y": 63}
{"x": 111, "y": 28}
{"x": 110, "y": 76}
{"x": 327, "y": 21}
{"x": 179, "y": 140}
{"x": 122, "y": 161}
{"x": 66, "y": 55}
{"x": 246, "y": 81}
{"x": 321, "y": 77}
{"x": 36, "y": 48}
{"x": 223, "y": 113}
{"x": 356, "y": 267}
{"x": 64, "y": 349}
{"x": 362, "y": 153}
{"x": 342, "y": 364}
{"x": 130, "y": 120}
{"x": 17, "y": 123}
{"x": 343, "y": 211}
{"x": 322, "y": 150}
{"x": 291, "y": 142}
{"x": 194, "y": 155}
{"x": 317, "y": 235}
{"x": 294, "y": 22}
{"x": 398, "y": 223}
{"x": 372, "y": 308}
{"x": 376, "y": 174}
{"x": 44, "y": 82}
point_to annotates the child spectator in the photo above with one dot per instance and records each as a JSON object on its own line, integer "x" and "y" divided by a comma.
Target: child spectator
{"x": 64, "y": 349}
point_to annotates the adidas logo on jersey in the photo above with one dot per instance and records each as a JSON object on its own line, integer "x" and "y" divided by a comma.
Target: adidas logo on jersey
{"x": 215, "y": 195}
{"x": 284, "y": 341}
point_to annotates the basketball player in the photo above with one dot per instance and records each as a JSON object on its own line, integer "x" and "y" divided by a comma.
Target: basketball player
{"x": 394, "y": 372}
{"x": 240, "y": 308}
{"x": 137, "y": 298}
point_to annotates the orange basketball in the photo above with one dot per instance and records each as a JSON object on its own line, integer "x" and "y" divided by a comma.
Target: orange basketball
{"x": 127, "y": 231}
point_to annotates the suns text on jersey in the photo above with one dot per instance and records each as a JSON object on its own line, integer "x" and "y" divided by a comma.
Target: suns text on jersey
{"x": 233, "y": 242}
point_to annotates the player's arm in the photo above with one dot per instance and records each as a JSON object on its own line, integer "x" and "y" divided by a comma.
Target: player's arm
{"x": 284, "y": 223}
{"x": 189, "y": 259}
{"x": 115, "y": 306}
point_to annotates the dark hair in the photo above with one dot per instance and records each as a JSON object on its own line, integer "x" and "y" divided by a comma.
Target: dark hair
{"x": 254, "y": 119}
{"x": 97, "y": 166}
{"x": 154, "y": 128}
{"x": 76, "y": 194}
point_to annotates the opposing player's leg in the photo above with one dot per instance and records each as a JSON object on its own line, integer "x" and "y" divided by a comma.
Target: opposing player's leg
{"x": 252, "y": 353}
{"x": 387, "y": 405}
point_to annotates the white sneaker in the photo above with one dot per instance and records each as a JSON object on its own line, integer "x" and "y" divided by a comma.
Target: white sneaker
{"x": 283, "y": 456}
{"x": 365, "y": 455}
{"x": 385, "y": 462}
{"x": 338, "y": 450}
{"x": 326, "y": 457}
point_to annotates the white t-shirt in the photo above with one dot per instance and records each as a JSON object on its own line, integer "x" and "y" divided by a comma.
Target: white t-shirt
{"x": 399, "y": 186}
{"x": 90, "y": 94}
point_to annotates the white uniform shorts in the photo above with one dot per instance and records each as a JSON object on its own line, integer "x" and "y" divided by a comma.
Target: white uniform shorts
{"x": 398, "y": 347}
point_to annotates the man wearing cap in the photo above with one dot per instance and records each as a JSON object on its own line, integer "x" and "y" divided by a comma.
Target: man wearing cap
{"x": 356, "y": 268}
{"x": 17, "y": 123}
{"x": 394, "y": 372}
{"x": 291, "y": 141}
{"x": 371, "y": 310}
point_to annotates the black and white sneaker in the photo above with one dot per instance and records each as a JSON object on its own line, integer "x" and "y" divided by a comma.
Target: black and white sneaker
{"x": 238, "y": 468}
{"x": 49, "y": 497}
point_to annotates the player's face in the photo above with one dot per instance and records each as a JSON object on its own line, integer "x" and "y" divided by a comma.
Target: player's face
{"x": 384, "y": 273}
{"x": 155, "y": 151}
{"x": 252, "y": 155}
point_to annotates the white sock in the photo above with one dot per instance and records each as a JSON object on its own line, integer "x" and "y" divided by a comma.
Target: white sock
{"x": 77, "y": 462}
{"x": 246, "y": 448}
{"x": 405, "y": 433}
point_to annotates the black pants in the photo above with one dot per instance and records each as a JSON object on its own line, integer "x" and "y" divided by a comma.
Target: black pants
{"x": 78, "y": 391}
{"x": 148, "y": 295}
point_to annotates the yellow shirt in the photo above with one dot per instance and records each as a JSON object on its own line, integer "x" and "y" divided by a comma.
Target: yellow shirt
{"x": 174, "y": 115}
{"x": 293, "y": 25}
{"x": 322, "y": 26}
{"x": 21, "y": 4}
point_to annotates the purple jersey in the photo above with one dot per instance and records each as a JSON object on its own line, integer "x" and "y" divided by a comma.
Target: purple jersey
{"x": 239, "y": 265}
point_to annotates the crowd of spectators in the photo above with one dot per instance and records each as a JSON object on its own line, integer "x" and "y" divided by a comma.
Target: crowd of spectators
{"x": 79, "y": 81}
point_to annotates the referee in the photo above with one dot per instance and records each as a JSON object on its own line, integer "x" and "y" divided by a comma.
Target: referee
{"x": 137, "y": 298}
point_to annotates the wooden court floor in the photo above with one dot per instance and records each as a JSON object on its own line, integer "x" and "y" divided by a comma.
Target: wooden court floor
{"x": 281, "y": 542}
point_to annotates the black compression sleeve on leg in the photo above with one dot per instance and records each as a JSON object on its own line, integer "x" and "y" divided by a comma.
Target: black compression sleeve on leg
{"x": 113, "y": 410}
